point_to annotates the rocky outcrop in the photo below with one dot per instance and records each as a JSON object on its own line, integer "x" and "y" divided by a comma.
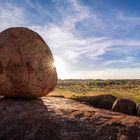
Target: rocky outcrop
{"x": 104, "y": 101}
{"x": 125, "y": 106}
{"x": 26, "y": 68}
{"x": 54, "y": 118}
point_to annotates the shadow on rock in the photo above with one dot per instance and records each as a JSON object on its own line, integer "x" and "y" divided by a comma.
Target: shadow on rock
{"x": 26, "y": 119}
{"x": 55, "y": 118}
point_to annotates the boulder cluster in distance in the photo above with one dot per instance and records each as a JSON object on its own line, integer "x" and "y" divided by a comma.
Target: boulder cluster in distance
{"x": 110, "y": 102}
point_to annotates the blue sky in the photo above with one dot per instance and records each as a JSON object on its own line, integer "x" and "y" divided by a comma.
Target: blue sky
{"x": 89, "y": 38}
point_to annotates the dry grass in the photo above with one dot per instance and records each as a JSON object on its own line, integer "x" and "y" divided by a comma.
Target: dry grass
{"x": 68, "y": 89}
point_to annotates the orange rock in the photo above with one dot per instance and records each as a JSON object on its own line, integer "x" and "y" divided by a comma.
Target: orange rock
{"x": 54, "y": 118}
{"x": 26, "y": 68}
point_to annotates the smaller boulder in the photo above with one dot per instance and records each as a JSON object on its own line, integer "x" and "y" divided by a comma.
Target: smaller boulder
{"x": 125, "y": 106}
{"x": 138, "y": 110}
{"x": 104, "y": 101}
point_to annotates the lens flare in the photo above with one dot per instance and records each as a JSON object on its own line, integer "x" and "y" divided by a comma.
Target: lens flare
{"x": 54, "y": 64}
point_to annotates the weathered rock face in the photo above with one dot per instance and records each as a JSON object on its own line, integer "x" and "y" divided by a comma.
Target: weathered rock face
{"x": 26, "y": 68}
{"x": 54, "y": 118}
{"x": 125, "y": 106}
{"x": 104, "y": 101}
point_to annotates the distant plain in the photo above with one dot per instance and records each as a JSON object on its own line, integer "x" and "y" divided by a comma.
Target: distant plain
{"x": 71, "y": 88}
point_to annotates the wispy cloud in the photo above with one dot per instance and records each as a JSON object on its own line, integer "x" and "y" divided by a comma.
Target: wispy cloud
{"x": 68, "y": 44}
{"x": 72, "y": 46}
{"x": 11, "y": 15}
{"x": 130, "y": 19}
{"x": 126, "y": 60}
{"x": 78, "y": 34}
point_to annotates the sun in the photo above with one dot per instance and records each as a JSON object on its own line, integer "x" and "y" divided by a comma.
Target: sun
{"x": 61, "y": 67}
{"x": 54, "y": 64}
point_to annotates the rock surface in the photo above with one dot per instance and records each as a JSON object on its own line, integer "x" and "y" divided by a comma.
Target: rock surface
{"x": 25, "y": 64}
{"x": 125, "y": 106}
{"x": 104, "y": 101}
{"x": 53, "y": 118}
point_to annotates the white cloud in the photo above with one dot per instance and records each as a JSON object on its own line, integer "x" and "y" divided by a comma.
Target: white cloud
{"x": 11, "y": 15}
{"x": 126, "y": 60}
{"x": 67, "y": 43}
{"x": 78, "y": 13}
{"x": 70, "y": 46}
{"x": 64, "y": 41}
{"x": 130, "y": 19}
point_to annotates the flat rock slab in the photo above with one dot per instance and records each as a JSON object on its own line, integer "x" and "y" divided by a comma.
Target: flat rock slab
{"x": 53, "y": 118}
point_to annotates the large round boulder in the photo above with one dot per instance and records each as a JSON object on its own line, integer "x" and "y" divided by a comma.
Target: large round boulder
{"x": 26, "y": 64}
{"x": 125, "y": 106}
